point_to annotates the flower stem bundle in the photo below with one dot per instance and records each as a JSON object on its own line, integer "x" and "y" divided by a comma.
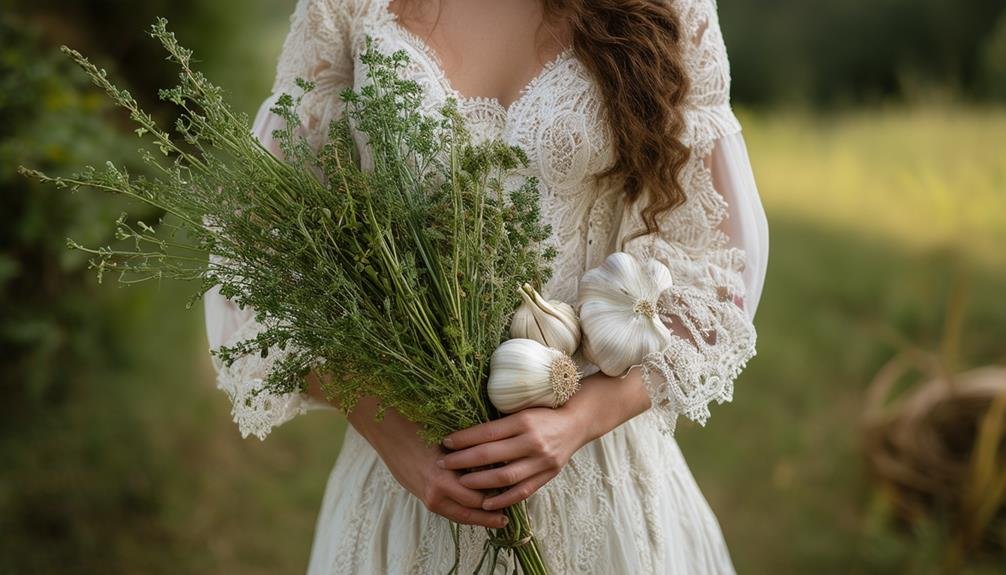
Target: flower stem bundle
{"x": 391, "y": 268}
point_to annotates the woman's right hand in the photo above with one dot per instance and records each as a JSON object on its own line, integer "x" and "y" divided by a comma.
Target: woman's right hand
{"x": 413, "y": 463}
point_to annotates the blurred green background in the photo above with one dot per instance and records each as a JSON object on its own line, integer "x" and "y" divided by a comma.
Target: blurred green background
{"x": 877, "y": 130}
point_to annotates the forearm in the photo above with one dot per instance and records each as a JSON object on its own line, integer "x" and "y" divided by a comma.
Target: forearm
{"x": 363, "y": 416}
{"x": 603, "y": 403}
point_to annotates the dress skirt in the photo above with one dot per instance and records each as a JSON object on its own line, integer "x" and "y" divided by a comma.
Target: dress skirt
{"x": 626, "y": 503}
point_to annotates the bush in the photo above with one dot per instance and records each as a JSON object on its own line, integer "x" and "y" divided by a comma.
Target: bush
{"x": 48, "y": 118}
{"x": 994, "y": 62}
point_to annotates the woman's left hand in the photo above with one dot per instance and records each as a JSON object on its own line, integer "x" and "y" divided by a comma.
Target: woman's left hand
{"x": 533, "y": 444}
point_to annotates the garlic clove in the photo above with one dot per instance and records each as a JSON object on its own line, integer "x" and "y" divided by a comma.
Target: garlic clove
{"x": 607, "y": 282}
{"x": 559, "y": 310}
{"x": 524, "y": 373}
{"x": 551, "y": 323}
{"x": 523, "y": 324}
{"x": 619, "y": 312}
{"x": 616, "y": 340}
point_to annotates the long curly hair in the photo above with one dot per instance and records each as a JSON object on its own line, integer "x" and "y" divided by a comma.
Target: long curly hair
{"x": 634, "y": 49}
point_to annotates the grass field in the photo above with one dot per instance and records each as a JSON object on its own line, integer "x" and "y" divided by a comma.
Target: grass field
{"x": 874, "y": 217}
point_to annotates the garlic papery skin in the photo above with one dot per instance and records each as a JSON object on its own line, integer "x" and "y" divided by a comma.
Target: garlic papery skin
{"x": 524, "y": 373}
{"x": 551, "y": 323}
{"x": 618, "y": 312}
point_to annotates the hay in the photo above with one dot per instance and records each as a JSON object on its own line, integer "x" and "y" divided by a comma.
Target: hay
{"x": 940, "y": 446}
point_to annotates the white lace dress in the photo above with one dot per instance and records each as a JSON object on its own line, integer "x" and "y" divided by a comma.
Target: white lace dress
{"x": 626, "y": 503}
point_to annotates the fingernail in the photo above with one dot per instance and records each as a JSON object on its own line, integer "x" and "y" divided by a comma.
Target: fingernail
{"x": 448, "y": 443}
{"x": 506, "y": 520}
{"x": 487, "y": 505}
{"x": 440, "y": 463}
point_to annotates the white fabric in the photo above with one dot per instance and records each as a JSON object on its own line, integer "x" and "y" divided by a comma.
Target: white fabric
{"x": 626, "y": 503}
{"x": 746, "y": 226}
{"x": 255, "y": 411}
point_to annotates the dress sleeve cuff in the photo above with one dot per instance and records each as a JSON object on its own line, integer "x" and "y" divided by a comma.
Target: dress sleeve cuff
{"x": 699, "y": 366}
{"x": 255, "y": 410}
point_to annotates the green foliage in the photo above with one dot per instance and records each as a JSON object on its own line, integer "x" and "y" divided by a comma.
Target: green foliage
{"x": 114, "y": 32}
{"x": 87, "y": 480}
{"x": 48, "y": 321}
{"x": 60, "y": 335}
{"x": 994, "y": 61}
{"x": 840, "y": 52}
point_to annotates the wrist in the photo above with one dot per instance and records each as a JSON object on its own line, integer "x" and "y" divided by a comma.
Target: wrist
{"x": 604, "y": 402}
{"x": 583, "y": 418}
{"x": 363, "y": 418}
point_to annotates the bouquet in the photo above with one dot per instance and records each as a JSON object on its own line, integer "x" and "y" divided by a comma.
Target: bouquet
{"x": 402, "y": 278}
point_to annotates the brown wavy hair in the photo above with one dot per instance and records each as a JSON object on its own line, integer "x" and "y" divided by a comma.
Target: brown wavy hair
{"x": 634, "y": 49}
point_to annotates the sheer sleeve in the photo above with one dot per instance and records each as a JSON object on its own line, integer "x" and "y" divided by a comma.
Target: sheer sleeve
{"x": 715, "y": 245}
{"x": 317, "y": 49}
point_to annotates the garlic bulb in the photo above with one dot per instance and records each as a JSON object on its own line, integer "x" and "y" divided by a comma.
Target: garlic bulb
{"x": 618, "y": 312}
{"x": 524, "y": 373}
{"x": 551, "y": 323}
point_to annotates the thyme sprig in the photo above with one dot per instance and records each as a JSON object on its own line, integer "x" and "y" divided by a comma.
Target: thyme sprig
{"x": 396, "y": 279}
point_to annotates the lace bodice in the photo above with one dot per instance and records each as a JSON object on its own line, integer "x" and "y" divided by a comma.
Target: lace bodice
{"x": 560, "y": 121}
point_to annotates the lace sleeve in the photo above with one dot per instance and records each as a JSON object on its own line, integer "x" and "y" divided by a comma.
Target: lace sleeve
{"x": 317, "y": 49}
{"x": 715, "y": 245}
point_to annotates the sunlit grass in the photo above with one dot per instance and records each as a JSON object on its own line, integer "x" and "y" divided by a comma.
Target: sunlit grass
{"x": 875, "y": 218}
{"x": 924, "y": 178}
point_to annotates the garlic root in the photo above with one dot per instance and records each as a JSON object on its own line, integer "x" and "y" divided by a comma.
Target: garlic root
{"x": 524, "y": 373}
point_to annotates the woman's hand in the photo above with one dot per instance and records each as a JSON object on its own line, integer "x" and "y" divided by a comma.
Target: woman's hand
{"x": 413, "y": 463}
{"x": 535, "y": 444}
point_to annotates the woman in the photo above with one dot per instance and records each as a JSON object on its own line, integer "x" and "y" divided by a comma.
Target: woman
{"x": 622, "y": 106}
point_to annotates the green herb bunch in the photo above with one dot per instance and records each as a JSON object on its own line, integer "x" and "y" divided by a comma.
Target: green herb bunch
{"x": 392, "y": 269}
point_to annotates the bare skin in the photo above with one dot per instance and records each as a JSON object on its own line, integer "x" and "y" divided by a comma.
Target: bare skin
{"x": 486, "y": 48}
{"x": 492, "y": 49}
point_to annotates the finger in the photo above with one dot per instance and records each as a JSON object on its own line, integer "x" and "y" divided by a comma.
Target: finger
{"x": 468, "y": 516}
{"x": 505, "y": 476}
{"x": 518, "y": 492}
{"x": 464, "y": 495}
{"x": 486, "y": 454}
{"x": 485, "y": 432}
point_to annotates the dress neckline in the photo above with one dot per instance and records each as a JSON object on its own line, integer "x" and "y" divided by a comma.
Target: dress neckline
{"x": 435, "y": 62}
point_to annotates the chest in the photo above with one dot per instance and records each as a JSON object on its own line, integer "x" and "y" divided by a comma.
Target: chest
{"x": 557, "y": 117}
{"x": 485, "y": 47}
